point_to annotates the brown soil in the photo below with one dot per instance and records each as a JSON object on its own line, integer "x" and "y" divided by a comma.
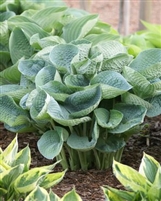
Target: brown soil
{"x": 88, "y": 184}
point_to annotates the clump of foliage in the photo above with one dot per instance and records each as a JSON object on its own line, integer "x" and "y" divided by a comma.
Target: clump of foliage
{"x": 19, "y": 182}
{"x": 144, "y": 39}
{"x": 142, "y": 185}
{"x": 71, "y": 81}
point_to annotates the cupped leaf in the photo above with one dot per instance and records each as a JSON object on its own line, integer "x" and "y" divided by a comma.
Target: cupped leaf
{"x": 71, "y": 195}
{"x": 81, "y": 103}
{"x": 62, "y": 55}
{"x": 79, "y": 28}
{"x": 112, "y": 84}
{"x": 19, "y": 45}
{"x": 141, "y": 86}
{"x": 6, "y": 15}
{"x": 132, "y": 115}
{"x": 108, "y": 119}
{"x": 155, "y": 110}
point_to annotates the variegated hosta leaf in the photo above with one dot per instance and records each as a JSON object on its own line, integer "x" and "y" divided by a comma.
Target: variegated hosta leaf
{"x": 110, "y": 144}
{"x": 62, "y": 55}
{"x": 57, "y": 90}
{"x": 155, "y": 110}
{"x": 146, "y": 59}
{"x": 52, "y": 179}
{"x": 38, "y": 193}
{"x": 152, "y": 72}
{"x": 71, "y": 195}
{"x": 78, "y": 28}
{"x": 50, "y": 143}
{"x": 19, "y": 45}
{"x": 112, "y": 84}
{"x": 13, "y": 90}
{"x": 29, "y": 68}
{"x": 117, "y": 62}
{"x": 141, "y": 86}
{"x": 53, "y": 196}
{"x": 45, "y": 75}
{"x": 130, "y": 178}
{"x": 108, "y": 119}
{"x": 133, "y": 115}
{"x": 133, "y": 99}
{"x": 81, "y": 103}
{"x": 149, "y": 167}
{"x": 82, "y": 143}
{"x": 61, "y": 115}
{"x": 11, "y": 113}
{"x": 76, "y": 82}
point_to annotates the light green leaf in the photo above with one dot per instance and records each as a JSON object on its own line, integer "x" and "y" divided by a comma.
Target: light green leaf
{"x": 133, "y": 115}
{"x": 141, "y": 86}
{"x": 155, "y": 110}
{"x": 130, "y": 178}
{"x": 71, "y": 195}
{"x": 62, "y": 55}
{"x": 152, "y": 27}
{"x": 81, "y": 103}
{"x": 4, "y": 34}
{"x": 149, "y": 167}
{"x": 79, "y": 28}
{"x": 112, "y": 83}
{"x": 19, "y": 45}
{"x": 50, "y": 144}
{"x": 11, "y": 113}
{"x": 38, "y": 194}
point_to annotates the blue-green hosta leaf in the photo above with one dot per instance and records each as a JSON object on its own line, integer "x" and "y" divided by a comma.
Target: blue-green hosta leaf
{"x": 40, "y": 43}
{"x": 82, "y": 143}
{"x": 23, "y": 128}
{"x": 141, "y": 86}
{"x": 81, "y": 103}
{"x": 43, "y": 54}
{"x": 4, "y": 34}
{"x": 149, "y": 167}
{"x": 130, "y": 178}
{"x": 57, "y": 90}
{"x": 79, "y": 28}
{"x": 8, "y": 155}
{"x": 110, "y": 144}
{"x": 19, "y": 45}
{"x": 108, "y": 119}
{"x": 76, "y": 82}
{"x": 155, "y": 110}
{"x": 112, "y": 84}
{"x": 61, "y": 115}
{"x": 8, "y": 176}
{"x": 51, "y": 180}
{"x": 45, "y": 75}
{"x": 50, "y": 143}
{"x": 133, "y": 115}
{"x": 83, "y": 67}
{"x": 62, "y": 55}
{"x": 28, "y": 99}
{"x": 38, "y": 193}
{"x": 13, "y": 90}
{"x": 11, "y": 74}
{"x": 30, "y": 67}
{"x": 71, "y": 195}
{"x": 11, "y": 113}
{"x": 133, "y": 99}
{"x": 6, "y": 15}
{"x": 43, "y": 17}
{"x": 146, "y": 59}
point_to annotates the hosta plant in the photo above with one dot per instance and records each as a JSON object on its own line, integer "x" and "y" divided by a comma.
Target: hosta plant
{"x": 76, "y": 86}
{"x": 19, "y": 182}
{"x": 144, "y": 185}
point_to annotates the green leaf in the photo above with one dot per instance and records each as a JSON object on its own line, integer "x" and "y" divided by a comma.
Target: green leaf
{"x": 71, "y": 195}
{"x": 11, "y": 113}
{"x": 149, "y": 167}
{"x": 53, "y": 196}
{"x": 62, "y": 55}
{"x": 81, "y": 103}
{"x": 50, "y": 144}
{"x": 19, "y": 45}
{"x": 155, "y": 110}
{"x": 38, "y": 194}
{"x": 133, "y": 115}
{"x": 130, "y": 178}
{"x": 152, "y": 27}
{"x": 112, "y": 83}
{"x": 79, "y": 28}
{"x": 6, "y": 15}
{"x": 108, "y": 119}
